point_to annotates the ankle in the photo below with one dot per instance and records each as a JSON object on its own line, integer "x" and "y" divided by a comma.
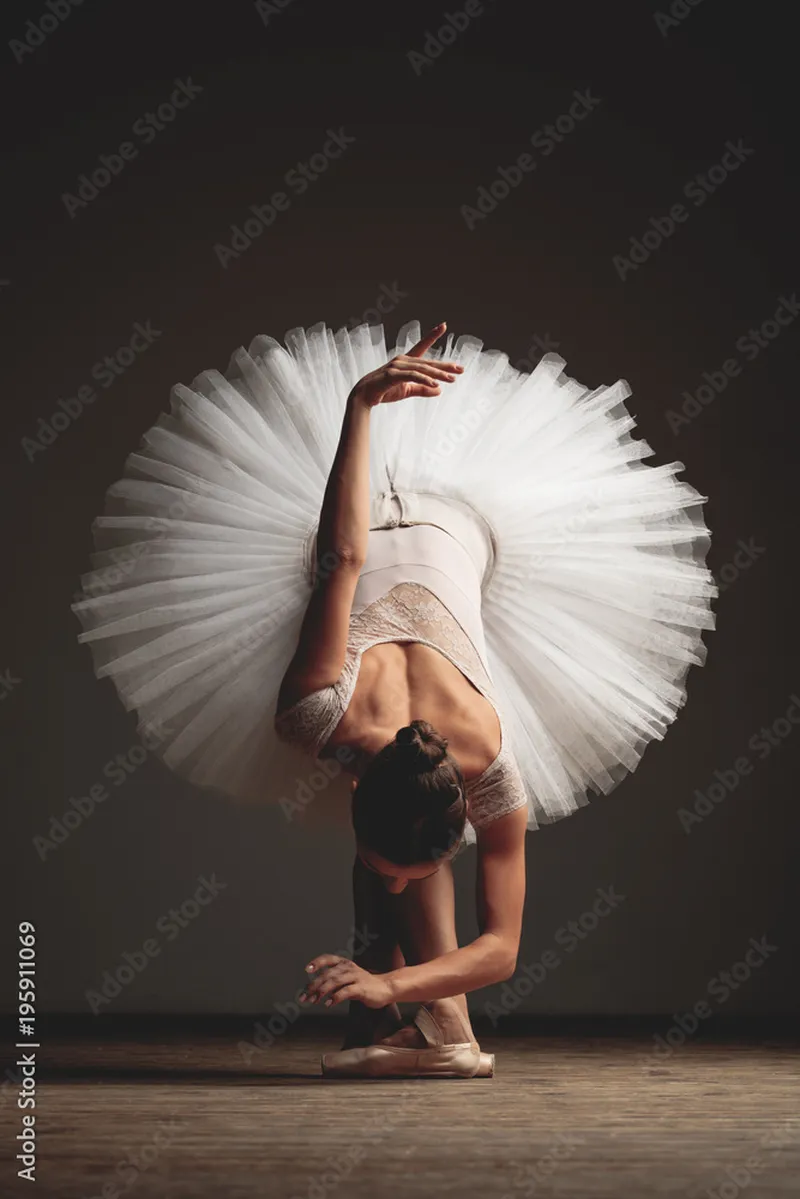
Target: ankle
{"x": 366, "y": 1025}
{"x": 452, "y": 1016}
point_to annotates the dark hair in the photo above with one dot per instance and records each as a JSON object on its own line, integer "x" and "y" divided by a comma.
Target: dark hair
{"x": 410, "y": 805}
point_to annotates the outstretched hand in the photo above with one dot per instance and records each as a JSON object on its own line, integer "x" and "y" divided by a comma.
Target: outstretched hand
{"x": 338, "y": 979}
{"x": 407, "y": 375}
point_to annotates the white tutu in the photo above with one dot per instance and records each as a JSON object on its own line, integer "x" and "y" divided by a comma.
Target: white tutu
{"x": 592, "y": 615}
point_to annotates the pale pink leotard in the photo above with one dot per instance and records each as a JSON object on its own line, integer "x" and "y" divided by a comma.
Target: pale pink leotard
{"x": 427, "y": 561}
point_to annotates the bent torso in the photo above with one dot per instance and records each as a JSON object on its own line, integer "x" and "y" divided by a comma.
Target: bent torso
{"x": 403, "y": 681}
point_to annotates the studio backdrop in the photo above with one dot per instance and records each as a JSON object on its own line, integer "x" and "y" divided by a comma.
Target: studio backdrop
{"x": 184, "y": 180}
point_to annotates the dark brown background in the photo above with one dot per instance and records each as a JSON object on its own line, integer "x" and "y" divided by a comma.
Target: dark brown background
{"x": 540, "y": 265}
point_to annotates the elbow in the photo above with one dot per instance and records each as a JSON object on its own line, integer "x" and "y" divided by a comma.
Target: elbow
{"x": 343, "y": 557}
{"x": 506, "y": 965}
{"x": 508, "y": 971}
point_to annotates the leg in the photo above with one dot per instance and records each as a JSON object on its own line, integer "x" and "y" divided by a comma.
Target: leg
{"x": 426, "y": 928}
{"x": 371, "y": 902}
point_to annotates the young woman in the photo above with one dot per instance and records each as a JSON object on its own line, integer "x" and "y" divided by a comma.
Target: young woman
{"x": 458, "y": 580}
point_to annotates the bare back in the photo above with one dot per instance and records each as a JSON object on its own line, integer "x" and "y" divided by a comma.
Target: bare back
{"x": 403, "y": 681}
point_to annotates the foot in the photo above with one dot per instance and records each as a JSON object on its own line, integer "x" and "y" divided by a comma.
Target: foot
{"x": 451, "y": 1019}
{"x": 402, "y": 1054}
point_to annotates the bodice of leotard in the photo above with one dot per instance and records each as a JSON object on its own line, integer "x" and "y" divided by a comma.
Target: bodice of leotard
{"x": 410, "y": 611}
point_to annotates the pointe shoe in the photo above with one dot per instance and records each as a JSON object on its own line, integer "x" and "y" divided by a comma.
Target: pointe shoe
{"x": 486, "y": 1067}
{"x": 437, "y": 1060}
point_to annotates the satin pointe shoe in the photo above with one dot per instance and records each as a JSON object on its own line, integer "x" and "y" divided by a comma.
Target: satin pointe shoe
{"x": 387, "y": 1059}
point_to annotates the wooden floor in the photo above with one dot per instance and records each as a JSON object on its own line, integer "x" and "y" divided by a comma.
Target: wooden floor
{"x": 574, "y": 1117}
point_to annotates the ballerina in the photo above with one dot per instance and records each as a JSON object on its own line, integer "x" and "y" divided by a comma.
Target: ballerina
{"x": 416, "y": 786}
{"x": 478, "y": 592}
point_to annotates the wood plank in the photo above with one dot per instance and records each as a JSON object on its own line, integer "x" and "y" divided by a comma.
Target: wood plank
{"x": 580, "y": 1118}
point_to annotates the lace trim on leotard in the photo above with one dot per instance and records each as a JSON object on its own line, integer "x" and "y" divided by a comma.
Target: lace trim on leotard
{"x": 409, "y": 612}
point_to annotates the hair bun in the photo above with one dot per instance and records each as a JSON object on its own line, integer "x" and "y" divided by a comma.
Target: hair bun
{"x": 423, "y": 747}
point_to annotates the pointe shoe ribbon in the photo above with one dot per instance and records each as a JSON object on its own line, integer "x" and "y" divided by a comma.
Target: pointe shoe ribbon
{"x": 426, "y": 1023}
{"x": 387, "y": 1060}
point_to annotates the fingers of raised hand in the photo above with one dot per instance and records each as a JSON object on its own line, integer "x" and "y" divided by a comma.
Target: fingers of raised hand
{"x": 401, "y": 375}
{"x": 427, "y": 341}
{"x": 447, "y": 371}
{"x": 419, "y": 362}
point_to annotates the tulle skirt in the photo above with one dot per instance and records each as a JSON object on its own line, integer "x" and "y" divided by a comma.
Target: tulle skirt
{"x": 592, "y": 616}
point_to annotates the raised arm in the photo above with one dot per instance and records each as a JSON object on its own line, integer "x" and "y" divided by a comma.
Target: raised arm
{"x": 341, "y": 548}
{"x": 344, "y": 519}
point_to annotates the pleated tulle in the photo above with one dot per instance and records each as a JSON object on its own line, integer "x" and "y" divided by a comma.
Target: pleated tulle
{"x": 593, "y": 614}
